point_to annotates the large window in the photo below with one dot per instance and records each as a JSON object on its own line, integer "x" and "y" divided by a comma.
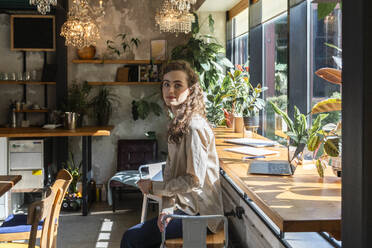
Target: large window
{"x": 237, "y": 38}
{"x": 326, "y": 46}
{"x": 275, "y": 75}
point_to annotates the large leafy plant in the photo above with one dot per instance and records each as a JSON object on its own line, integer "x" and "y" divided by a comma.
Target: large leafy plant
{"x": 77, "y": 98}
{"x": 102, "y": 105}
{"x": 204, "y": 54}
{"x": 298, "y": 130}
{"x": 240, "y": 94}
{"x": 75, "y": 171}
{"x": 125, "y": 44}
{"x": 142, "y": 108}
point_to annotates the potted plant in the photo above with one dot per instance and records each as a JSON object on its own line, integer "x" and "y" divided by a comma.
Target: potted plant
{"x": 142, "y": 108}
{"x": 204, "y": 54}
{"x": 76, "y": 103}
{"x": 125, "y": 45}
{"x": 298, "y": 131}
{"x": 102, "y": 106}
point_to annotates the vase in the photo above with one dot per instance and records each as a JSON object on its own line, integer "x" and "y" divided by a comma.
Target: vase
{"x": 86, "y": 52}
{"x": 296, "y": 154}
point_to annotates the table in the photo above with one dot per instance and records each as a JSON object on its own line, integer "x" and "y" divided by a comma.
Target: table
{"x": 85, "y": 132}
{"x": 7, "y": 182}
{"x": 303, "y": 202}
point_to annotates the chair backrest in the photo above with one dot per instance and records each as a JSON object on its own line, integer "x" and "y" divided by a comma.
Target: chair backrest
{"x": 38, "y": 211}
{"x": 133, "y": 153}
{"x": 61, "y": 185}
{"x": 153, "y": 170}
{"x": 194, "y": 229}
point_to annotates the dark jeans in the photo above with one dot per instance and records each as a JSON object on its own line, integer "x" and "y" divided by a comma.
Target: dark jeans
{"x": 147, "y": 234}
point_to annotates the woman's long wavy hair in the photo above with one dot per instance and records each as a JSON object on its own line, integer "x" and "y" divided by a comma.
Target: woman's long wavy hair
{"x": 194, "y": 103}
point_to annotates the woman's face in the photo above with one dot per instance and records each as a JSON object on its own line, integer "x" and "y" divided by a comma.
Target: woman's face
{"x": 175, "y": 88}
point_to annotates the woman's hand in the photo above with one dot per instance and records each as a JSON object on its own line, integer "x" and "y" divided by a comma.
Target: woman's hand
{"x": 145, "y": 185}
{"x": 160, "y": 224}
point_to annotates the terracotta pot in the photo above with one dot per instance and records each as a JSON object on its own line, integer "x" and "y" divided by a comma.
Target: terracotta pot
{"x": 86, "y": 52}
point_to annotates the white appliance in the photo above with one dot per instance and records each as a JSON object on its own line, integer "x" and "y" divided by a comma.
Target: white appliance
{"x": 26, "y": 158}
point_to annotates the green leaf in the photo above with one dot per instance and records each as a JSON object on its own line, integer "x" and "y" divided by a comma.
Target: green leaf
{"x": 211, "y": 23}
{"x": 206, "y": 66}
{"x": 313, "y": 143}
{"x": 331, "y": 147}
{"x": 319, "y": 168}
{"x": 285, "y": 117}
{"x": 325, "y": 9}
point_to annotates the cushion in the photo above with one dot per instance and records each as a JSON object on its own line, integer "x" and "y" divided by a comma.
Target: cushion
{"x": 17, "y": 223}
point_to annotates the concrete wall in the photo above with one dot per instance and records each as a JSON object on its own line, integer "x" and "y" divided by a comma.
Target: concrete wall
{"x": 219, "y": 18}
{"x": 135, "y": 18}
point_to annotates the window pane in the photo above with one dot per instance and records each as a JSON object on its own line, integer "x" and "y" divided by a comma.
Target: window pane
{"x": 325, "y": 31}
{"x": 275, "y": 73}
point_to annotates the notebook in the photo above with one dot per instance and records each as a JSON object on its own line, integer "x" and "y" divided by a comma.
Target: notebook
{"x": 251, "y": 151}
{"x": 252, "y": 142}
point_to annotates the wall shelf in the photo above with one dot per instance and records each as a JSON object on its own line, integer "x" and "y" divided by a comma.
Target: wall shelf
{"x": 124, "y": 83}
{"x": 115, "y": 61}
{"x": 27, "y": 82}
{"x": 32, "y": 111}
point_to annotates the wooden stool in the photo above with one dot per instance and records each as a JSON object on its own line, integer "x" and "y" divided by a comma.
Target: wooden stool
{"x": 194, "y": 231}
{"x": 216, "y": 240}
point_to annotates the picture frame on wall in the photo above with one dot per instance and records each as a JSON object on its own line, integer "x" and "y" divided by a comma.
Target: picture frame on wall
{"x": 158, "y": 49}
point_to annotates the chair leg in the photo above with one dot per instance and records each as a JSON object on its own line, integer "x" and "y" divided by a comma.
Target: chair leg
{"x": 144, "y": 208}
{"x": 113, "y": 192}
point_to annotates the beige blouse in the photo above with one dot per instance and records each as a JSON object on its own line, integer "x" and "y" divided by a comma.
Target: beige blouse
{"x": 191, "y": 175}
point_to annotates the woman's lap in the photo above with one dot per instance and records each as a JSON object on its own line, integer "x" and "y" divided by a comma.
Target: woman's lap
{"x": 147, "y": 234}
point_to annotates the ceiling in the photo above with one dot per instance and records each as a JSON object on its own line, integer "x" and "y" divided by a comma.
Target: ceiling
{"x": 218, "y": 5}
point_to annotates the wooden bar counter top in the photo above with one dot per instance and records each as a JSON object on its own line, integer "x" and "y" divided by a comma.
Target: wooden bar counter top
{"x": 303, "y": 202}
{"x": 58, "y": 132}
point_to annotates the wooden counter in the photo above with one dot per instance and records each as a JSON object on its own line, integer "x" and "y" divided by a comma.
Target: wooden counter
{"x": 58, "y": 132}
{"x": 7, "y": 182}
{"x": 303, "y": 202}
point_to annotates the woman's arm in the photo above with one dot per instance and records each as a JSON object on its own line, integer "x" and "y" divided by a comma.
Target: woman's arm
{"x": 196, "y": 166}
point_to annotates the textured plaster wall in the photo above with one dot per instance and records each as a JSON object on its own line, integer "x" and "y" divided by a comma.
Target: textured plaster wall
{"x": 219, "y": 18}
{"x": 136, "y": 18}
{"x": 12, "y": 61}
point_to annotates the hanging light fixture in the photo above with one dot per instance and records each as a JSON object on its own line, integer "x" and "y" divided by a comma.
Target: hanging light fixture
{"x": 81, "y": 29}
{"x": 43, "y": 6}
{"x": 183, "y": 4}
{"x": 170, "y": 19}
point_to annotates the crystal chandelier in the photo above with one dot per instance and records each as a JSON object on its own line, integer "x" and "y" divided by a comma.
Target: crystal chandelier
{"x": 43, "y": 6}
{"x": 81, "y": 29}
{"x": 183, "y": 4}
{"x": 170, "y": 18}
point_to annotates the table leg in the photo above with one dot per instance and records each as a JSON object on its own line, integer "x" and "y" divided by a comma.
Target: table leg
{"x": 87, "y": 165}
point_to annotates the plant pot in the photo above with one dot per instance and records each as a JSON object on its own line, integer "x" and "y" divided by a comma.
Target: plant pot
{"x": 251, "y": 121}
{"x": 238, "y": 125}
{"x": 70, "y": 120}
{"x": 86, "y": 52}
{"x": 295, "y": 154}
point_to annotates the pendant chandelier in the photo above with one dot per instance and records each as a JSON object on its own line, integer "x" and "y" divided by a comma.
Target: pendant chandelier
{"x": 81, "y": 29}
{"x": 183, "y": 4}
{"x": 170, "y": 19}
{"x": 43, "y": 6}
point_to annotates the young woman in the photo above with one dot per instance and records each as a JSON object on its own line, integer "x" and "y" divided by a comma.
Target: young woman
{"x": 191, "y": 183}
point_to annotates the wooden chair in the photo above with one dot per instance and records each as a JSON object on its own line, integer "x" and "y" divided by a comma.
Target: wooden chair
{"x": 15, "y": 227}
{"x": 38, "y": 211}
{"x": 132, "y": 154}
{"x": 194, "y": 230}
